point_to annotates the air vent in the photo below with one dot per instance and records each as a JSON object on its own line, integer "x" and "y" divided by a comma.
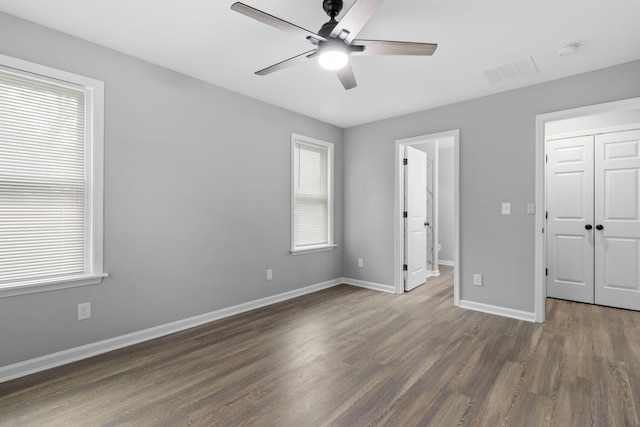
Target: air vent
{"x": 520, "y": 68}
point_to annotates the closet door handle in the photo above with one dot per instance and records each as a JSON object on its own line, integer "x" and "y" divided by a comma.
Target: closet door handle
{"x": 588, "y": 226}
{"x": 599, "y": 227}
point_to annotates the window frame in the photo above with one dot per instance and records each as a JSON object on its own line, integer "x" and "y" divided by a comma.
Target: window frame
{"x": 94, "y": 178}
{"x": 313, "y": 142}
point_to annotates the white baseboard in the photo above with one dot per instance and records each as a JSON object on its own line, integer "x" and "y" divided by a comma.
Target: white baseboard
{"x": 443, "y": 262}
{"x": 369, "y": 285}
{"x": 53, "y": 360}
{"x": 500, "y": 311}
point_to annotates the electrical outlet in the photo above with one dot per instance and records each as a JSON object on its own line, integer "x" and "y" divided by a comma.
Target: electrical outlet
{"x": 477, "y": 279}
{"x": 360, "y": 262}
{"x": 84, "y": 311}
{"x": 269, "y": 274}
{"x": 531, "y": 208}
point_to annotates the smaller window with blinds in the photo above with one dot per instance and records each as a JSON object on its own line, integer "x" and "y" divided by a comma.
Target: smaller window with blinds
{"x": 312, "y": 195}
{"x": 50, "y": 178}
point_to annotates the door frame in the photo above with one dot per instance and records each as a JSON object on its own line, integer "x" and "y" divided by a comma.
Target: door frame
{"x": 540, "y": 286}
{"x": 398, "y": 206}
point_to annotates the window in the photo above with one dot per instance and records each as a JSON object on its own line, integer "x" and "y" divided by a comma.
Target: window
{"x": 51, "y": 125}
{"x": 312, "y": 195}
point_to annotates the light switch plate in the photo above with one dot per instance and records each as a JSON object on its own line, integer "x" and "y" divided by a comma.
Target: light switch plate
{"x": 506, "y": 208}
{"x": 477, "y": 279}
{"x": 531, "y": 208}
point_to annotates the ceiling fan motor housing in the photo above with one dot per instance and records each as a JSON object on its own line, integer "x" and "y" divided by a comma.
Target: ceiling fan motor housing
{"x": 332, "y": 7}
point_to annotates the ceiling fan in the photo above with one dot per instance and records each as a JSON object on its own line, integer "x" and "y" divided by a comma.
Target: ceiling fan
{"x": 336, "y": 41}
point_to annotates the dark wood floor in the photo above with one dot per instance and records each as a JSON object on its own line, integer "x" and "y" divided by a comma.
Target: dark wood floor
{"x": 353, "y": 357}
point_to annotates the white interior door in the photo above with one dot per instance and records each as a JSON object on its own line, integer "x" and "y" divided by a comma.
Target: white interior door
{"x": 415, "y": 225}
{"x": 617, "y": 219}
{"x": 570, "y": 227}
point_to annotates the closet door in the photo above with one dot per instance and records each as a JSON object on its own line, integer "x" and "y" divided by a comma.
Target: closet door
{"x": 617, "y": 219}
{"x": 570, "y": 226}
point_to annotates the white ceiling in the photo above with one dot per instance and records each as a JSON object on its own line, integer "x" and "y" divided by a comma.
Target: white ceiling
{"x": 207, "y": 40}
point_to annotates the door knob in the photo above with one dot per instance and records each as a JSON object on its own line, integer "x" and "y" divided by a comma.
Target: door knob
{"x": 599, "y": 227}
{"x": 588, "y": 226}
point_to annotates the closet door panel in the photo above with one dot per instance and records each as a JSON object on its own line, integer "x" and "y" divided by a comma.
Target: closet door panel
{"x": 617, "y": 218}
{"x": 570, "y": 210}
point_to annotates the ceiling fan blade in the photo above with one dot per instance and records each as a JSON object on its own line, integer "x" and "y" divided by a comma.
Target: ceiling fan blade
{"x": 355, "y": 18}
{"x": 345, "y": 74}
{"x": 286, "y": 63}
{"x": 278, "y": 23}
{"x": 387, "y": 47}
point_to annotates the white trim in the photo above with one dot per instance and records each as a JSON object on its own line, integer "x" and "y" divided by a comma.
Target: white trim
{"x": 95, "y": 178}
{"x": 540, "y": 291}
{"x": 94, "y": 181}
{"x": 330, "y": 185}
{"x": 46, "y": 285}
{"x": 369, "y": 285}
{"x": 540, "y": 288}
{"x": 594, "y": 131}
{"x": 435, "y": 203}
{"x": 398, "y": 200}
{"x": 53, "y": 360}
{"x": 499, "y": 311}
{"x": 48, "y": 72}
{"x": 443, "y": 262}
{"x": 313, "y": 249}
{"x": 456, "y": 212}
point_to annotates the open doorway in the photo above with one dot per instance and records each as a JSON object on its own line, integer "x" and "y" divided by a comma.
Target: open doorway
{"x": 441, "y": 223}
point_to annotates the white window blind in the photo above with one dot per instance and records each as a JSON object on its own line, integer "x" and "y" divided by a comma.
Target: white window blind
{"x": 42, "y": 178}
{"x": 311, "y": 194}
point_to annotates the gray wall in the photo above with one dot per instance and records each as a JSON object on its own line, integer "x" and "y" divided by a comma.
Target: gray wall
{"x": 197, "y": 201}
{"x": 497, "y": 142}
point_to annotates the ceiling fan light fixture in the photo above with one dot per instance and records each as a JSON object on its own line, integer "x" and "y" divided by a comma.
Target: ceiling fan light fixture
{"x": 333, "y": 56}
{"x": 336, "y": 42}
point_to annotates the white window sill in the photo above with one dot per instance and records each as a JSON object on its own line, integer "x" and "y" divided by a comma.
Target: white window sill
{"x": 311, "y": 249}
{"x": 51, "y": 284}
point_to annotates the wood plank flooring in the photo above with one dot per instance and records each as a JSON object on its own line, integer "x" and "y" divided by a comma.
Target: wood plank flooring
{"x": 352, "y": 357}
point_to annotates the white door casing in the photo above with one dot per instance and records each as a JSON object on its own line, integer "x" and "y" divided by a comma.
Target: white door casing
{"x": 617, "y": 210}
{"x": 620, "y": 106}
{"x": 416, "y": 207}
{"x": 570, "y": 272}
